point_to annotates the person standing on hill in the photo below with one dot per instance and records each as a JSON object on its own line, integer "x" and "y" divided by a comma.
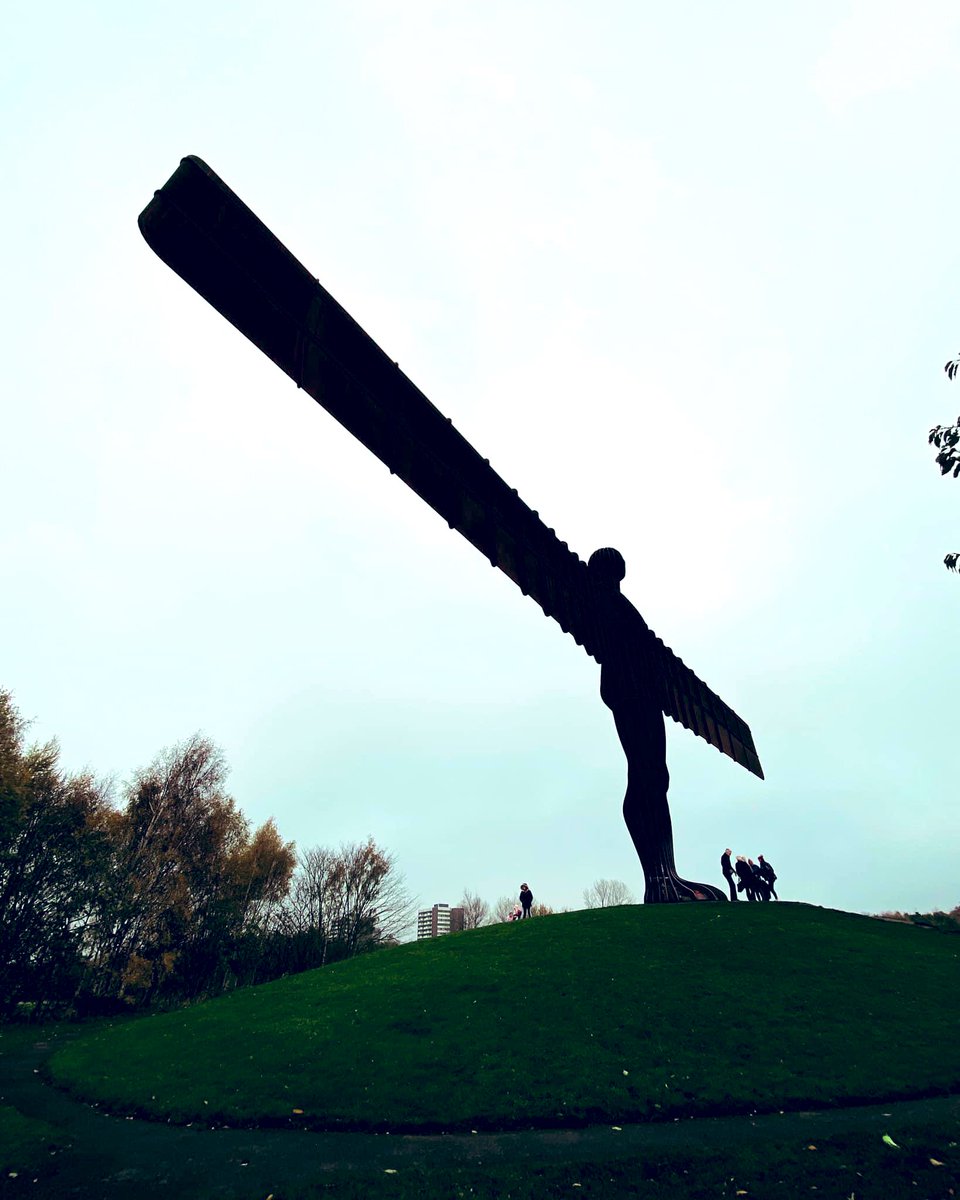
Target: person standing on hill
{"x": 768, "y": 873}
{"x": 745, "y": 876}
{"x": 727, "y": 870}
{"x": 526, "y": 899}
{"x": 760, "y": 885}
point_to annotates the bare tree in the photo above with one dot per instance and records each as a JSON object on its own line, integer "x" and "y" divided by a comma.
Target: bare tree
{"x": 506, "y": 904}
{"x": 303, "y": 917}
{"x": 607, "y": 893}
{"x": 341, "y": 902}
{"x": 504, "y": 907}
{"x": 375, "y": 904}
{"x": 475, "y": 911}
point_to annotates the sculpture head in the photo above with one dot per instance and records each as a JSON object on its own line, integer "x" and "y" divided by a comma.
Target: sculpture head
{"x": 607, "y": 566}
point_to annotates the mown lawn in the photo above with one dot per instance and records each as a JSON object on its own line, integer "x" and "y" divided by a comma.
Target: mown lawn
{"x": 923, "y": 1165}
{"x": 611, "y": 1015}
{"x": 25, "y": 1142}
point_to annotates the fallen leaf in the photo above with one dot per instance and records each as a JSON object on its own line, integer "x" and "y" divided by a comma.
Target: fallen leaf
{"x": 389, "y": 1171}
{"x": 298, "y": 1111}
{"x": 890, "y": 1142}
{"x": 618, "y": 1128}
{"x": 811, "y": 1147}
{"x": 935, "y": 1162}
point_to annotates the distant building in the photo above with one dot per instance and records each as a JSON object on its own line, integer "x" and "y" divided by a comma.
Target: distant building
{"x": 431, "y": 922}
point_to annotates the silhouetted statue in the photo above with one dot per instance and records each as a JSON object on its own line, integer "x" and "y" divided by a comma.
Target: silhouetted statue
{"x": 628, "y": 688}
{"x": 211, "y": 239}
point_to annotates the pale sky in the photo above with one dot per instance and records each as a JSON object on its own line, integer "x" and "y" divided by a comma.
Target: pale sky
{"x": 685, "y": 273}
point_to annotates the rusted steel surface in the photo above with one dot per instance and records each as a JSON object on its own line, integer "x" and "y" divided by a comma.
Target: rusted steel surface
{"x": 209, "y": 237}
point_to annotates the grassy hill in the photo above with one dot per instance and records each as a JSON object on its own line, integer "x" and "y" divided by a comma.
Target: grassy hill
{"x": 610, "y": 1015}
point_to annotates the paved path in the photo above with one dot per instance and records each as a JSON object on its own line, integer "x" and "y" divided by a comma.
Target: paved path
{"x": 121, "y": 1158}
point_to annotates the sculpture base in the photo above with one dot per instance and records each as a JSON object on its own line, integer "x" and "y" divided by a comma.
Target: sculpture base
{"x": 671, "y": 889}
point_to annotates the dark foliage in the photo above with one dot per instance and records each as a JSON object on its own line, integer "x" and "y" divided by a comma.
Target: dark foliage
{"x": 171, "y": 897}
{"x": 341, "y": 903}
{"x": 51, "y": 860}
{"x": 945, "y": 922}
{"x": 946, "y": 440}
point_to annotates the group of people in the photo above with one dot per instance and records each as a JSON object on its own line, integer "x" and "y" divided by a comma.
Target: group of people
{"x": 522, "y": 909}
{"x": 756, "y": 879}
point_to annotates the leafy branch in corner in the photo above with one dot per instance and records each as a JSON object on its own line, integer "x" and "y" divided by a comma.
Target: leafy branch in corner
{"x": 946, "y": 439}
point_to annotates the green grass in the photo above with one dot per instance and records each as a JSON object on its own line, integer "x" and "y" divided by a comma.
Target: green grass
{"x": 612, "y": 1015}
{"x": 25, "y": 1142}
{"x": 924, "y": 1164}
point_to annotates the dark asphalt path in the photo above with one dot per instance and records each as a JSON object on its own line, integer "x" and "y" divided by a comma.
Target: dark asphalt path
{"x": 120, "y": 1158}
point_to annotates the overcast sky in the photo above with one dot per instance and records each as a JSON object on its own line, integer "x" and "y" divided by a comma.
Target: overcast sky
{"x": 686, "y": 274}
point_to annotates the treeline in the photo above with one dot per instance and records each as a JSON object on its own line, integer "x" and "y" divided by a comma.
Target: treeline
{"x": 169, "y": 895}
{"x": 602, "y": 893}
{"x": 946, "y": 922}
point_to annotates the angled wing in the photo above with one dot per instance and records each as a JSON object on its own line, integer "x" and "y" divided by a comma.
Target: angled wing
{"x": 209, "y": 237}
{"x": 689, "y": 701}
{"x": 205, "y": 233}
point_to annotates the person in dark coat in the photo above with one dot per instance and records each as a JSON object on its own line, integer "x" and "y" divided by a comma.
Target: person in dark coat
{"x": 760, "y": 885}
{"x": 745, "y": 877}
{"x": 768, "y": 873}
{"x": 526, "y": 899}
{"x": 727, "y": 870}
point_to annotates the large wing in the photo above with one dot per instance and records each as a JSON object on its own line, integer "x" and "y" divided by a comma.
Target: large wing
{"x": 689, "y": 701}
{"x": 205, "y": 233}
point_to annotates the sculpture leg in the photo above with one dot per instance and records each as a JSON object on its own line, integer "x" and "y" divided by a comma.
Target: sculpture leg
{"x": 647, "y": 813}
